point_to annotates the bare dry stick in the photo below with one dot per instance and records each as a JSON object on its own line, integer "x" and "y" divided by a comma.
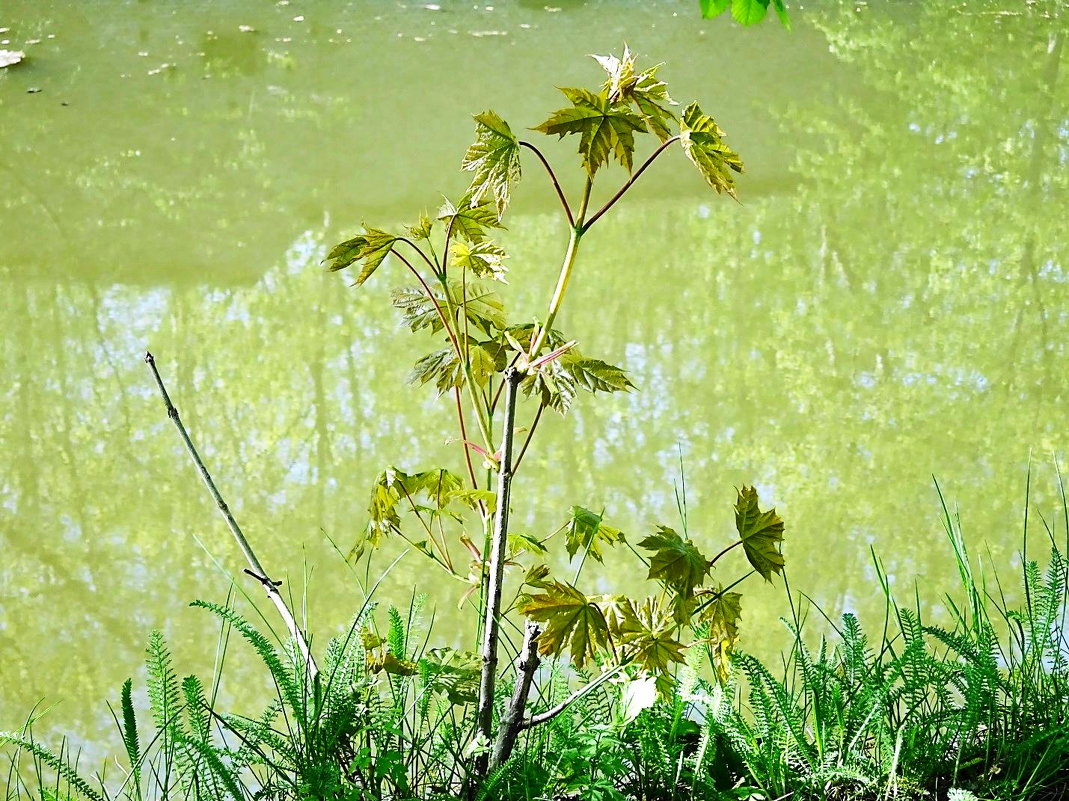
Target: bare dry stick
{"x": 512, "y": 720}
{"x": 255, "y": 569}
{"x": 492, "y": 623}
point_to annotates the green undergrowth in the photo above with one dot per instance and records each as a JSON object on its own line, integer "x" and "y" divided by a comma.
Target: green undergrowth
{"x": 975, "y": 709}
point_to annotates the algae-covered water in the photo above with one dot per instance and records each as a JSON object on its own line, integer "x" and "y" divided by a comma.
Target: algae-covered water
{"x": 889, "y": 301}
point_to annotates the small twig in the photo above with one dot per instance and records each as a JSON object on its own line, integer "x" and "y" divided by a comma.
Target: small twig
{"x": 255, "y": 568}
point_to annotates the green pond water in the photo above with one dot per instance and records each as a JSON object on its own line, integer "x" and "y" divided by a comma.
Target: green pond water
{"x": 888, "y": 302}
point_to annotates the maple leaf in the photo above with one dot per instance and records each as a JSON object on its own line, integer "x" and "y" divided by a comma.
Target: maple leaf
{"x": 479, "y": 303}
{"x": 455, "y": 673}
{"x": 573, "y": 622}
{"x": 721, "y": 614}
{"x": 675, "y": 561}
{"x": 760, "y": 532}
{"x": 606, "y": 129}
{"x": 470, "y": 221}
{"x": 586, "y": 529}
{"x": 484, "y": 259}
{"x": 368, "y": 249}
{"x": 653, "y": 644}
{"x": 494, "y": 158}
{"x": 394, "y": 486}
{"x": 557, "y": 382}
{"x": 643, "y": 89}
{"x": 703, "y": 144}
{"x": 422, "y": 229}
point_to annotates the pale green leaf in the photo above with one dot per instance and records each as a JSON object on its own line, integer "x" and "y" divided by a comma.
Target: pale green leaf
{"x": 654, "y": 645}
{"x": 470, "y": 221}
{"x": 675, "y": 561}
{"x": 586, "y": 530}
{"x": 454, "y": 673}
{"x": 761, "y": 533}
{"x": 606, "y": 129}
{"x": 484, "y": 259}
{"x": 573, "y": 622}
{"x": 367, "y": 249}
{"x": 721, "y": 614}
{"x": 494, "y": 158}
{"x": 422, "y": 229}
{"x": 749, "y": 12}
{"x": 713, "y": 8}
{"x": 703, "y": 144}
{"x": 643, "y": 89}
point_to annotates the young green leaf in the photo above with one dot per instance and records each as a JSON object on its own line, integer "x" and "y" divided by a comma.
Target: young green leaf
{"x": 422, "y": 229}
{"x": 749, "y": 12}
{"x": 643, "y": 89}
{"x": 484, "y": 259}
{"x": 394, "y": 486}
{"x": 586, "y": 530}
{"x": 573, "y": 622}
{"x": 441, "y": 367}
{"x": 454, "y": 673}
{"x": 606, "y": 129}
{"x": 713, "y": 8}
{"x": 722, "y": 615}
{"x": 470, "y": 221}
{"x": 495, "y": 160}
{"x": 368, "y": 249}
{"x": 704, "y": 145}
{"x": 761, "y": 533}
{"x": 654, "y": 646}
{"x": 479, "y": 303}
{"x": 675, "y": 561}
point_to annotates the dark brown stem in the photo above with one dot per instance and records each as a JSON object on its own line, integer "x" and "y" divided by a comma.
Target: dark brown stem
{"x": 255, "y": 568}
{"x": 553, "y": 178}
{"x": 630, "y": 182}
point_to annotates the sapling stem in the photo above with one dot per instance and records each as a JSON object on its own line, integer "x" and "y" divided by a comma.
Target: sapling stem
{"x": 567, "y": 266}
{"x": 491, "y": 622}
{"x": 256, "y": 570}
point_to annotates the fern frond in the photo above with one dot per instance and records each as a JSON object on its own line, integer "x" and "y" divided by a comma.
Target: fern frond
{"x": 61, "y": 766}
{"x": 282, "y": 674}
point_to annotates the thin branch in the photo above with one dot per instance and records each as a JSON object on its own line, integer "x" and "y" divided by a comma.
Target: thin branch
{"x": 256, "y": 569}
{"x": 630, "y": 182}
{"x": 553, "y": 178}
{"x": 549, "y": 714}
{"x": 530, "y": 434}
{"x": 464, "y": 440}
{"x": 419, "y": 250}
{"x": 437, "y": 306}
{"x": 733, "y": 545}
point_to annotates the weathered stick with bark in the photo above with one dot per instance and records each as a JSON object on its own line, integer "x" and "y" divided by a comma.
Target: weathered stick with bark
{"x": 255, "y": 569}
{"x": 512, "y": 722}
